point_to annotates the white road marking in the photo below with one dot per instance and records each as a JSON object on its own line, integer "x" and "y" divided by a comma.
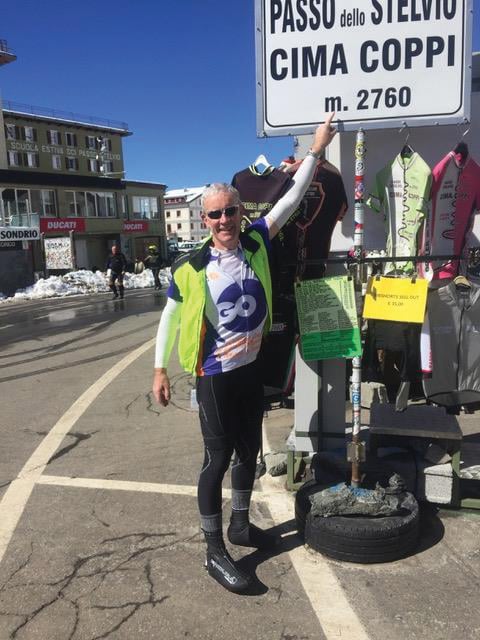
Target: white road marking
{"x": 336, "y": 617}
{"x": 16, "y": 496}
{"x": 327, "y": 597}
{"x": 7, "y": 326}
{"x": 127, "y": 485}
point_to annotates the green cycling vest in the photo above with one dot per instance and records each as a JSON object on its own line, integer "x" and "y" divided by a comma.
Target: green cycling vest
{"x": 189, "y": 276}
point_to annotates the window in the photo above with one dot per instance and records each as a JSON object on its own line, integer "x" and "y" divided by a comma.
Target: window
{"x": 21, "y": 201}
{"x": 72, "y": 164}
{"x": 30, "y": 134}
{"x": 179, "y": 225}
{"x": 32, "y": 160}
{"x": 36, "y": 201}
{"x": 71, "y": 139}
{"x": 49, "y": 207}
{"x": 54, "y": 137}
{"x": 105, "y": 205}
{"x": 93, "y": 165}
{"x": 145, "y": 207}
{"x": 75, "y": 201}
{"x": 192, "y": 226}
{"x": 14, "y": 159}
{"x": 107, "y": 166}
{"x": 179, "y": 213}
{"x": 70, "y": 203}
{"x": 80, "y": 203}
{"x": 90, "y": 142}
{"x": 167, "y": 214}
{"x": 11, "y": 131}
{"x": 169, "y": 228}
{"x": 91, "y": 206}
{"x": 57, "y": 162}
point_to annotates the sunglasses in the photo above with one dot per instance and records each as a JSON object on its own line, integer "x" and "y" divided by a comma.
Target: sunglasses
{"x": 228, "y": 211}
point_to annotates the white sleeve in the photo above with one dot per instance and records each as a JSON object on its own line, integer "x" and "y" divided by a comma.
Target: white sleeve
{"x": 287, "y": 204}
{"x": 167, "y": 332}
{"x": 426, "y": 347}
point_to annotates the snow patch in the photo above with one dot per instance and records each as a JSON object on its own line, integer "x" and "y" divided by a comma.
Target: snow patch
{"x": 83, "y": 282}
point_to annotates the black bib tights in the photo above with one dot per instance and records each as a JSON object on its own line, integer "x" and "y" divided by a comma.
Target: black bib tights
{"x": 231, "y": 412}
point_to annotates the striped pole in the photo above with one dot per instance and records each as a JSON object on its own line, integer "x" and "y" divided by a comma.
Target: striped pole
{"x": 358, "y": 254}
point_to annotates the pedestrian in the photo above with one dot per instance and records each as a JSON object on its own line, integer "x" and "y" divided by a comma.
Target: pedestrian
{"x": 139, "y": 266}
{"x": 116, "y": 266}
{"x": 153, "y": 261}
{"x": 220, "y": 296}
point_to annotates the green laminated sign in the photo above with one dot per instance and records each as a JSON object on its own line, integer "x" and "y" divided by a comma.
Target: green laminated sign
{"x": 328, "y": 318}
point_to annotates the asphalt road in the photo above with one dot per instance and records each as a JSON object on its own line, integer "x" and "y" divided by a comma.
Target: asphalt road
{"x": 99, "y": 534}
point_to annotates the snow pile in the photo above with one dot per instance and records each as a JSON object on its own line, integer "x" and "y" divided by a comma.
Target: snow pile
{"x": 83, "y": 282}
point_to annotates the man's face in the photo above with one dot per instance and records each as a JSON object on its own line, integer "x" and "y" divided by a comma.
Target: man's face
{"x": 226, "y": 230}
{"x": 114, "y": 249}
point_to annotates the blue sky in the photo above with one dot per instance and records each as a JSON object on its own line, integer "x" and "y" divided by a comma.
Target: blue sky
{"x": 181, "y": 73}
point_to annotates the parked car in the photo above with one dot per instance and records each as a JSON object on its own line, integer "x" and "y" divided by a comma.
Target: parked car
{"x": 187, "y": 246}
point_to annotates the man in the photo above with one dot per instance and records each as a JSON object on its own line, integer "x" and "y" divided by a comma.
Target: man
{"x": 220, "y": 296}
{"x": 116, "y": 265}
{"x": 153, "y": 261}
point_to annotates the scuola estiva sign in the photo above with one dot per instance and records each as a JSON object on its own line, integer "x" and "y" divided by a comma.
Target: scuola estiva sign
{"x": 377, "y": 63}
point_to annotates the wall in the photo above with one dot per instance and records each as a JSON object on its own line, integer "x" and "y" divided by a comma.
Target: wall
{"x": 46, "y": 150}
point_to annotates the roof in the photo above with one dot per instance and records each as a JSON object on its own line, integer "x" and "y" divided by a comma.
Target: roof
{"x": 17, "y": 109}
{"x": 144, "y": 183}
{"x": 191, "y": 193}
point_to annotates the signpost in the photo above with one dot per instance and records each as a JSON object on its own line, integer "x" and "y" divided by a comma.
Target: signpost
{"x": 384, "y": 64}
{"x": 16, "y": 234}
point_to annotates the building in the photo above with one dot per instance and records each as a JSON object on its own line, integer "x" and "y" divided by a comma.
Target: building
{"x": 63, "y": 173}
{"x": 183, "y": 211}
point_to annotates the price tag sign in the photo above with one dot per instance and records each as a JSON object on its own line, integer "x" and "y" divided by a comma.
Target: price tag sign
{"x": 377, "y": 63}
{"x": 397, "y": 299}
{"x": 328, "y": 318}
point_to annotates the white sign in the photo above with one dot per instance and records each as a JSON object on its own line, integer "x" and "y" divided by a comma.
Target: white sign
{"x": 16, "y": 234}
{"x": 58, "y": 253}
{"x": 377, "y": 63}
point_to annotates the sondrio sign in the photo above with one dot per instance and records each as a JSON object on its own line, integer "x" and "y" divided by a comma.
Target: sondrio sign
{"x": 61, "y": 225}
{"x": 15, "y": 234}
{"x": 377, "y": 63}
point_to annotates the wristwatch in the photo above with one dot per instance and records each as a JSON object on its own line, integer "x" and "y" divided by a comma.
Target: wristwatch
{"x": 316, "y": 154}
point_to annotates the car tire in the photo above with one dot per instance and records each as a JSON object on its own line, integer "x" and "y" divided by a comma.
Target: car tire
{"x": 303, "y": 504}
{"x": 363, "y": 539}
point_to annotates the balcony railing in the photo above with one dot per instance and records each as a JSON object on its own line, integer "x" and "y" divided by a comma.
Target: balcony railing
{"x": 68, "y": 116}
{"x": 4, "y": 47}
{"x": 6, "y": 54}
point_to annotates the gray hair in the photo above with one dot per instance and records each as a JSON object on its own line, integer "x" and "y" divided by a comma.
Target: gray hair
{"x": 220, "y": 187}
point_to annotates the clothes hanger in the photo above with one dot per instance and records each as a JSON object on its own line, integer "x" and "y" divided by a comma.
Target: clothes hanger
{"x": 463, "y": 282}
{"x": 461, "y": 148}
{"x": 262, "y": 165}
{"x": 407, "y": 151}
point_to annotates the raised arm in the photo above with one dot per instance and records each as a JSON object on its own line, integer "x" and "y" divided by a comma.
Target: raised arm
{"x": 284, "y": 208}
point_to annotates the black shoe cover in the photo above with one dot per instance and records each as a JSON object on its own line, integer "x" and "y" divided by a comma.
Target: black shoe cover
{"x": 223, "y": 569}
{"x": 251, "y": 536}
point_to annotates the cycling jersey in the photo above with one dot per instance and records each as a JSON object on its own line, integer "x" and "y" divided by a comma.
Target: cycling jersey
{"x": 455, "y": 197}
{"x": 402, "y": 191}
{"x": 259, "y": 191}
{"x": 451, "y": 345}
{"x": 235, "y": 308}
{"x": 307, "y": 234}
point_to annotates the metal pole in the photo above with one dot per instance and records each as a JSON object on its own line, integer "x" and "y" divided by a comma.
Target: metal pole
{"x": 355, "y": 450}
